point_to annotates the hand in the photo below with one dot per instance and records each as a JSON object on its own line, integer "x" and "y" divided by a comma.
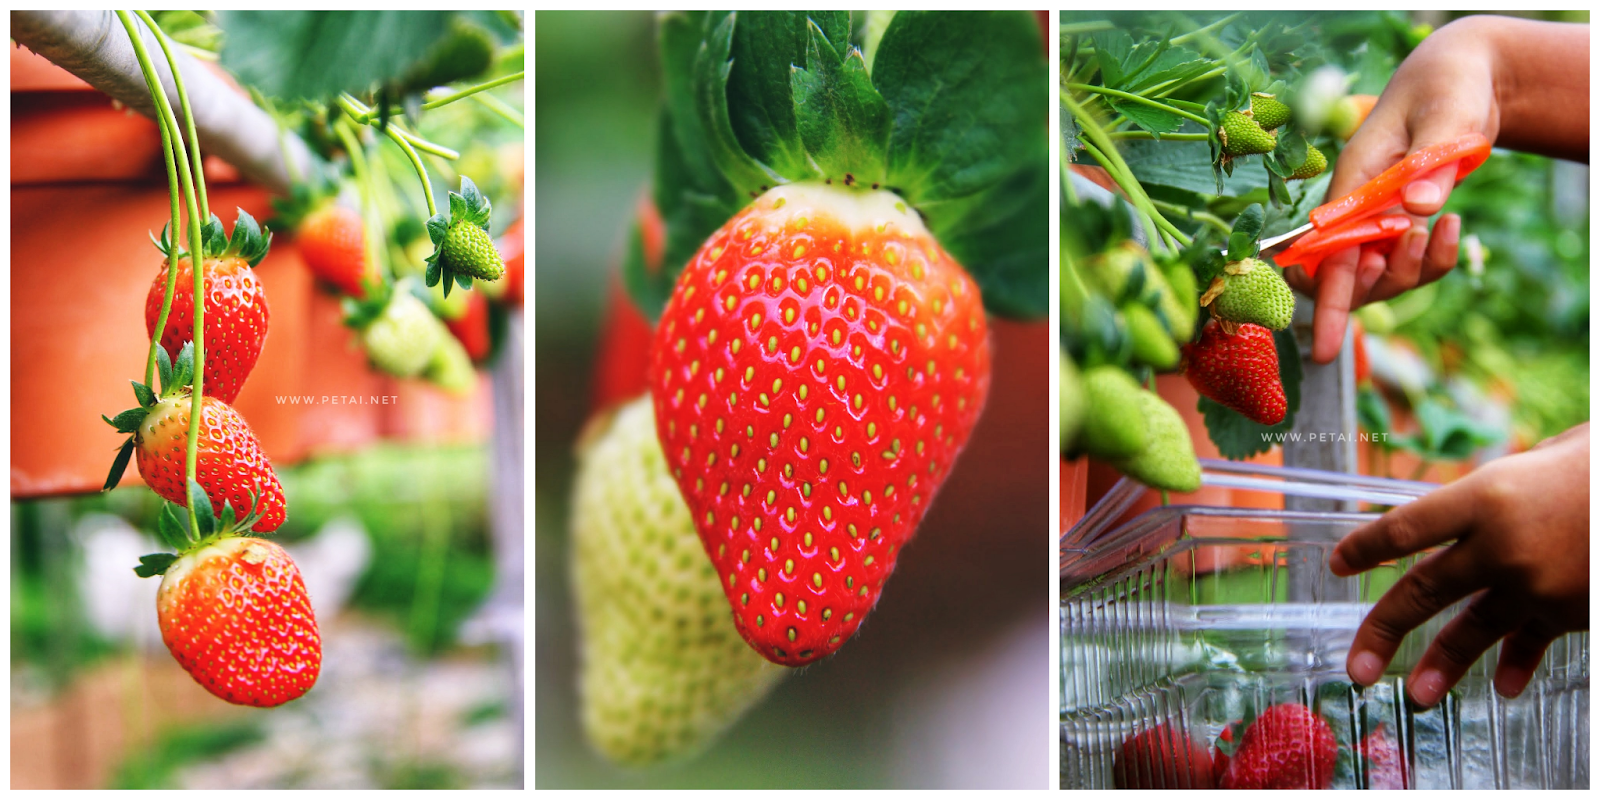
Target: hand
{"x": 1521, "y": 531}
{"x": 1520, "y": 83}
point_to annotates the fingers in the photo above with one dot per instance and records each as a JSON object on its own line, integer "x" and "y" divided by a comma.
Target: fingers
{"x": 1336, "y": 280}
{"x": 1424, "y": 196}
{"x": 1405, "y": 265}
{"x": 1430, "y": 520}
{"x": 1487, "y": 619}
{"x": 1428, "y": 588}
{"x": 1520, "y": 655}
{"x": 1443, "y": 249}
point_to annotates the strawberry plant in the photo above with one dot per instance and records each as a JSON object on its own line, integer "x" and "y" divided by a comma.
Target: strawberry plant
{"x": 835, "y": 232}
{"x": 232, "y": 608}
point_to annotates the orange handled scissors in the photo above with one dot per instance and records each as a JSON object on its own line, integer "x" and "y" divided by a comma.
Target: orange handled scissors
{"x": 1358, "y": 218}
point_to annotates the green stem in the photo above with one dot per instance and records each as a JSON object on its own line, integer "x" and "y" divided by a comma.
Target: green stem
{"x": 1181, "y": 38}
{"x": 1075, "y": 28}
{"x": 183, "y": 101}
{"x": 354, "y": 108}
{"x": 197, "y": 261}
{"x": 1103, "y": 149}
{"x": 1196, "y": 216}
{"x": 501, "y": 108}
{"x": 420, "y": 143}
{"x": 168, "y": 153}
{"x": 470, "y": 90}
{"x": 1129, "y": 96}
{"x": 358, "y": 165}
{"x": 1165, "y": 137}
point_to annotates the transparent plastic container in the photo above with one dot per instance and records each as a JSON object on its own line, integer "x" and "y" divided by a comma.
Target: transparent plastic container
{"x": 1197, "y": 617}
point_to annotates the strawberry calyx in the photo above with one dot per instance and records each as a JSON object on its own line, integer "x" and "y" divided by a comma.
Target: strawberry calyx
{"x": 467, "y": 207}
{"x": 248, "y": 242}
{"x": 177, "y": 379}
{"x": 173, "y": 528}
{"x": 359, "y": 312}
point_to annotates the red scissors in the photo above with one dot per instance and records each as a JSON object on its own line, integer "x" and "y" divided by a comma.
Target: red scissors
{"x": 1358, "y": 218}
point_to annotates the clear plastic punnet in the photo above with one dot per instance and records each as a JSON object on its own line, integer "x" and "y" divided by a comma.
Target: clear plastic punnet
{"x": 1200, "y": 618}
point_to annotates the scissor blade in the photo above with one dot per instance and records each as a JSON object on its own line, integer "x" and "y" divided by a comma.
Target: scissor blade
{"x": 1281, "y": 239}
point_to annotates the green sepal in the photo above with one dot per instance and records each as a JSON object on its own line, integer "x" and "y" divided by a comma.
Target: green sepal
{"x": 463, "y": 280}
{"x": 182, "y": 371}
{"x": 119, "y": 464}
{"x": 1214, "y": 139}
{"x": 127, "y": 421}
{"x": 163, "y": 368}
{"x": 213, "y": 239}
{"x": 248, "y": 242}
{"x": 1245, "y": 241}
{"x": 712, "y": 66}
{"x": 228, "y": 518}
{"x": 164, "y": 244}
{"x": 204, "y": 515}
{"x": 433, "y": 272}
{"x": 154, "y": 564}
{"x": 358, "y": 313}
{"x": 143, "y": 394}
{"x": 843, "y": 121}
{"x": 172, "y": 526}
{"x": 475, "y": 208}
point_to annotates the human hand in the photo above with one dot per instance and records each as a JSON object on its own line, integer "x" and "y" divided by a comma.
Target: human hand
{"x": 1444, "y": 90}
{"x": 1521, "y": 531}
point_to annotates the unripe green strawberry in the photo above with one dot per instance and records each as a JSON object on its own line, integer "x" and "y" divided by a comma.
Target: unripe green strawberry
{"x": 1180, "y": 305}
{"x": 1269, "y": 112}
{"x": 1115, "y": 424}
{"x": 1251, "y": 291}
{"x": 1167, "y": 460}
{"x": 1241, "y": 136}
{"x": 1314, "y": 164}
{"x": 1072, "y": 403}
{"x": 1120, "y": 273}
{"x": 469, "y": 250}
{"x": 1152, "y": 342}
{"x": 450, "y": 368}
{"x": 402, "y": 339}
{"x": 663, "y": 669}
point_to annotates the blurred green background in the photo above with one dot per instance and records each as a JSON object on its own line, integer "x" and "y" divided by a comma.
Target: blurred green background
{"x": 956, "y": 654}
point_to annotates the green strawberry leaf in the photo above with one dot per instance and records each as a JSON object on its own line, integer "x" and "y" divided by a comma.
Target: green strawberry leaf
{"x": 317, "y": 54}
{"x": 154, "y": 564}
{"x": 203, "y": 513}
{"x": 145, "y": 396}
{"x": 1001, "y": 236}
{"x": 1245, "y": 241}
{"x": 1448, "y": 434}
{"x": 842, "y": 120}
{"x": 119, "y": 465}
{"x": 172, "y": 526}
{"x": 1288, "y": 155}
{"x": 1237, "y": 436}
{"x": 967, "y": 94}
{"x": 1278, "y": 191}
{"x": 1154, "y": 120}
{"x": 1191, "y": 166}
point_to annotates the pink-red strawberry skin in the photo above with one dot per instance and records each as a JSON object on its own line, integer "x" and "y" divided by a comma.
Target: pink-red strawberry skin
{"x": 817, "y": 370}
{"x": 1239, "y": 371}
{"x": 236, "y": 320}
{"x": 1385, "y": 766}
{"x": 334, "y": 248}
{"x": 229, "y": 465}
{"x": 1163, "y": 757}
{"x": 236, "y": 615}
{"x": 1288, "y": 747}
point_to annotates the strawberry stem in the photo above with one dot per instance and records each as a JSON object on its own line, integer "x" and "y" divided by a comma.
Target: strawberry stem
{"x": 356, "y": 110}
{"x": 169, "y": 154}
{"x": 470, "y": 90}
{"x": 183, "y": 101}
{"x": 370, "y": 223}
{"x": 1117, "y": 93}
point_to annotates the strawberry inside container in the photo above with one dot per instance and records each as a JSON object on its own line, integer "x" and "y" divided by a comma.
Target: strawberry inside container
{"x": 1185, "y": 627}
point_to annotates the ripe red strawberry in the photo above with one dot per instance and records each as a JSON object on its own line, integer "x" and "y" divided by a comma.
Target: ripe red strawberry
{"x": 816, "y": 371}
{"x": 472, "y": 327}
{"x": 1239, "y": 371}
{"x": 230, "y": 465}
{"x": 334, "y": 247}
{"x": 1163, "y": 757}
{"x": 1384, "y": 767}
{"x": 236, "y": 311}
{"x": 235, "y": 614}
{"x": 1288, "y": 747}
